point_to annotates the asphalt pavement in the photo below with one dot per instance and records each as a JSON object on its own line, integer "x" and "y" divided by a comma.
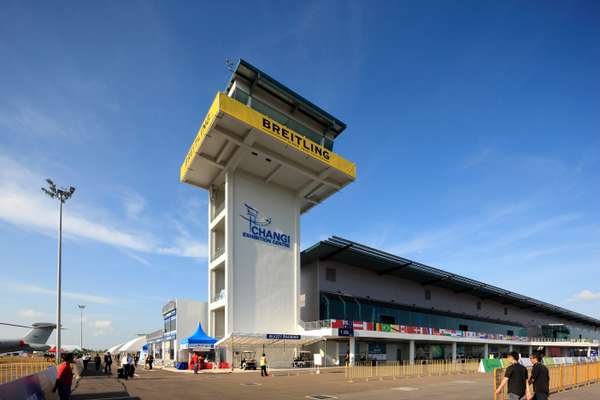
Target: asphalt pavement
{"x": 330, "y": 384}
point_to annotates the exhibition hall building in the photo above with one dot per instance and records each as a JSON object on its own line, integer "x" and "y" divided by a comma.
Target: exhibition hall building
{"x": 265, "y": 155}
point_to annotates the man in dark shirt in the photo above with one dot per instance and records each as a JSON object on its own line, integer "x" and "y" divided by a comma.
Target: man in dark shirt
{"x": 516, "y": 378}
{"x": 540, "y": 379}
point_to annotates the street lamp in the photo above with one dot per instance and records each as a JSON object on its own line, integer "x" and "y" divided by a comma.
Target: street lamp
{"x": 62, "y": 195}
{"x": 81, "y": 307}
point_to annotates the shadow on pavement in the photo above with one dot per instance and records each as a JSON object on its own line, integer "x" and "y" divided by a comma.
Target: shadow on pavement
{"x": 104, "y": 395}
{"x": 94, "y": 384}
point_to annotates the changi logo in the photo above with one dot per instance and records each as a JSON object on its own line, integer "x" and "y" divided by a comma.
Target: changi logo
{"x": 257, "y": 229}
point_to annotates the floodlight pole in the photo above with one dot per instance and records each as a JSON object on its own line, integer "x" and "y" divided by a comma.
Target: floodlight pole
{"x": 62, "y": 195}
{"x": 81, "y": 307}
{"x": 59, "y": 284}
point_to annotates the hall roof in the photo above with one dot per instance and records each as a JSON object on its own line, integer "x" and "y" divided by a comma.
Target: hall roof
{"x": 382, "y": 263}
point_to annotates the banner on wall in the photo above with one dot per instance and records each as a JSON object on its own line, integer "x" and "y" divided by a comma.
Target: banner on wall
{"x": 38, "y": 386}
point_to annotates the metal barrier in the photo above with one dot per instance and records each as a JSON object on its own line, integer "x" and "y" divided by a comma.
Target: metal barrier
{"x": 12, "y": 371}
{"x": 562, "y": 377}
{"x": 398, "y": 370}
{"x": 19, "y": 359}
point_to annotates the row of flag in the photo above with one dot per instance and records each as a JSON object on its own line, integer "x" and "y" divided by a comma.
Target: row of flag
{"x": 394, "y": 328}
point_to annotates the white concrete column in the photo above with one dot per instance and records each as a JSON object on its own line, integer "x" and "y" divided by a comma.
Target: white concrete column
{"x": 530, "y": 350}
{"x": 454, "y": 352}
{"x": 411, "y": 352}
{"x": 589, "y": 352}
{"x": 337, "y": 352}
{"x": 352, "y": 349}
{"x": 486, "y": 351}
{"x": 510, "y": 348}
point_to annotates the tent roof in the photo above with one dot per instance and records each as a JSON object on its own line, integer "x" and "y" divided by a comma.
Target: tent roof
{"x": 115, "y": 349}
{"x": 199, "y": 337}
{"x": 64, "y": 349}
{"x": 257, "y": 339}
{"x": 134, "y": 345}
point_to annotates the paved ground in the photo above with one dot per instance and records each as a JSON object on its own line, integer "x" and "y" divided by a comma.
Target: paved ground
{"x": 159, "y": 384}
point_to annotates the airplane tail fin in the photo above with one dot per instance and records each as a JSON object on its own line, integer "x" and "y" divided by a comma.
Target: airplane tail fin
{"x": 40, "y": 333}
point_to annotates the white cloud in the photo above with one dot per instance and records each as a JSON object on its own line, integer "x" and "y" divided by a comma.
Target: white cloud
{"x": 84, "y": 297}
{"x": 186, "y": 248}
{"x": 476, "y": 159}
{"x": 452, "y": 232}
{"x": 103, "y": 327}
{"x": 134, "y": 204}
{"x": 31, "y": 313}
{"x": 587, "y": 295}
{"x": 103, "y": 324}
{"x": 185, "y": 245}
{"x": 26, "y": 118}
{"x": 23, "y": 205}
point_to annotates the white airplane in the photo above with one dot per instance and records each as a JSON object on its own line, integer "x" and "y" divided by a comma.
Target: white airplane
{"x": 34, "y": 340}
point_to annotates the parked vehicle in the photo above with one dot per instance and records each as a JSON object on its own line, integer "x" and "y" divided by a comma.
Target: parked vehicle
{"x": 248, "y": 360}
{"x": 304, "y": 359}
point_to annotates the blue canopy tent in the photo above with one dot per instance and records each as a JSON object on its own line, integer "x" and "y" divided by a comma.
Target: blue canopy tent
{"x": 198, "y": 340}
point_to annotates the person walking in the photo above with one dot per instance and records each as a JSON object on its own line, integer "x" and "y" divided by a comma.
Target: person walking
{"x": 130, "y": 361}
{"x": 125, "y": 361}
{"x": 263, "y": 365}
{"x": 515, "y": 377}
{"x": 540, "y": 379}
{"x": 195, "y": 362}
{"x": 64, "y": 378}
{"x": 97, "y": 362}
{"x": 86, "y": 360}
{"x": 107, "y": 363}
{"x": 150, "y": 360}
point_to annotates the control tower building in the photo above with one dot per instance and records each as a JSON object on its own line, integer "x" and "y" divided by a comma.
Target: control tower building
{"x": 265, "y": 154}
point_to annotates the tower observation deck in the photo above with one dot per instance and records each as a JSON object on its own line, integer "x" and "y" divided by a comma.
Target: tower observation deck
{"x": 265, "y": 154}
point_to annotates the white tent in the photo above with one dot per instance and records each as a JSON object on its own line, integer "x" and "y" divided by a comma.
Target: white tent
{"x": 115, "y": 349}
{"x": 134, "y": 345}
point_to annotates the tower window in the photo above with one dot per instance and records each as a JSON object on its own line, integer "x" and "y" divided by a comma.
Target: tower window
{"x": 427, "y": 294}
{"x": 505, "y": 310}
{"x": 330, "y": 274}
{"x": 479, "y": 305}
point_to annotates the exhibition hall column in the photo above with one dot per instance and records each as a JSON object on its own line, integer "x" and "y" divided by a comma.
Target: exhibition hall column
{"x": 454, "y": 350}
{"x": 352, "y": 350}
{"x": 411, "y": 352}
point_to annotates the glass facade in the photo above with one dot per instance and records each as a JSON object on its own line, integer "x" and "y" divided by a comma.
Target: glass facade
{"x": 334, "y": 306}
{"x": 170, "y": 322}
{"x": 294, "y": 125}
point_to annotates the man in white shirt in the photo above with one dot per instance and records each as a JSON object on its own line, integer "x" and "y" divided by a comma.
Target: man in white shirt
{"x": 125, "y": 364}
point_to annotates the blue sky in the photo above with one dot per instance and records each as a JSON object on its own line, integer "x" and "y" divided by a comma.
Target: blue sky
{"x": 474, "y": 126}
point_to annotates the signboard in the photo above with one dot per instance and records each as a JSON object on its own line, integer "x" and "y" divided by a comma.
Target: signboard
{"x": 317, "y": 359}
{"x": 258, "y": 229}
{"x": 377, "y": 348}
{"x": 282, "y": 336}
{"x": 224, "y": 104}
{"x": 347, "y": 330}
{"x": 302, "y": 300}
{"x": 196, "y": 347}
